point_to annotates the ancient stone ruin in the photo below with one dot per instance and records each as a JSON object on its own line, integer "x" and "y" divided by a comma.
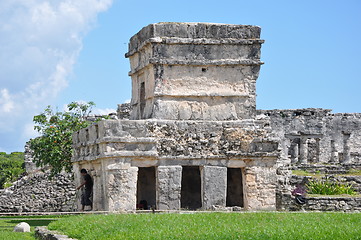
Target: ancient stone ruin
{"x": 194, "y": 139}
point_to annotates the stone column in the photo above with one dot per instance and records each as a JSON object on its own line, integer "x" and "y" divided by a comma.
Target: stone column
{"x": 303, "y": 150}
{"x": 122, "y": 188}
{"x": 169, "y": 182}
{"x": 334, "y": 153}
{"x": 214, "y": 186}
{"x": 317, "y": 158}
{"x": 98, "y": 194}
{"x": 295, "y": 153}
{"x": 250, "y": 189}
{"x": 346, "y": 148}
{"x": 260, "y": 188}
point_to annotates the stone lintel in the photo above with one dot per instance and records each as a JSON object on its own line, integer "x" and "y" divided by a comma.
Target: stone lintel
{"x": 303, "y": 136}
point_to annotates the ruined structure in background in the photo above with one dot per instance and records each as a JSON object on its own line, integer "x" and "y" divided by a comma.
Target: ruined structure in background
{"x": 194, "y": 139}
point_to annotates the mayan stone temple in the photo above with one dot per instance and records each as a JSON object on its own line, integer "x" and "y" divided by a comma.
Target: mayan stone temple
{"x": 194, "y": 139}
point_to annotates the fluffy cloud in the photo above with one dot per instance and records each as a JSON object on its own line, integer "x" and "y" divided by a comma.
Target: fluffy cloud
{"x": 39, "y": 44}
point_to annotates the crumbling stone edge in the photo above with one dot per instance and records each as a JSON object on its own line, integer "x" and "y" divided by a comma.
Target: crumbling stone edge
{"x": 43, "y": 233}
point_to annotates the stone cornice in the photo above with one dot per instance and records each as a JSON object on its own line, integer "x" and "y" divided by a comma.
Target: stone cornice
{"x": 196, "y": 62}
{"x": 197, "y": 41}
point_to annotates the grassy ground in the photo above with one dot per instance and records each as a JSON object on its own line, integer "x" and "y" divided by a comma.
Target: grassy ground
{"x": 7, "y": 225}
{"x": 262, "y": 225}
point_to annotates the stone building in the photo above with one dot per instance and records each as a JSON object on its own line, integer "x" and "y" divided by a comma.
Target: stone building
{"x": 192, "y": 140}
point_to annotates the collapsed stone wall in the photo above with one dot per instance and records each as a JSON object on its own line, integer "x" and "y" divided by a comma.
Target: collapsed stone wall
{"x": 317, "y": 136}
{"x": 36, "y": 193}
{"x": 313, "y": 139}
{"x": 286, "y": 202}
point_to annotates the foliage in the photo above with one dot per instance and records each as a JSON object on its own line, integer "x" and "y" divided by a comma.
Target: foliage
{"x": 54, "y": 147}
{"x": 11, "y": 167}
{"x": 246, "y": 225}
{"x": 327, "y": 187}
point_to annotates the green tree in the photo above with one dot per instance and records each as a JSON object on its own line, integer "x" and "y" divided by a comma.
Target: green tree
{"x": 11, "y": 167}
{"x": 54, "y": 147}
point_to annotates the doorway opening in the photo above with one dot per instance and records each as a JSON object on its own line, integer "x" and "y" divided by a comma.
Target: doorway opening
{"x": 191, "y": 188}
{"x": 146, "y": 193}
{"x": 234, "y": 187}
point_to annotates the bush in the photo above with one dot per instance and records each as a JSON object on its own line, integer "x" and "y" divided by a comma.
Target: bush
{"x": 11, "y": 167}
{"x": 327, "y": 187}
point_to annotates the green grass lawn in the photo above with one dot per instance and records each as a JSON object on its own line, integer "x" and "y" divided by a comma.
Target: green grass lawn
{"x": 261, "y": 225}
{"x": 7, "y": 225}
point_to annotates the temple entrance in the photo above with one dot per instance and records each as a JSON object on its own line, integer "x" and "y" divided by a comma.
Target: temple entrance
{"x": 146, "y": 196}
{"x": 234, "y": 187}
{"x": 191, "y": 188}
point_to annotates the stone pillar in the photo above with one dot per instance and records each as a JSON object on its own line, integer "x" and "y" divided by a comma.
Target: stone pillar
{"x": 295, "y": 153}
{"x": 122, "y": 188}
{"x": 250, "y": 190}
{"x": 303, "y": 150}
{"x": 334, "y": 153}
{"x": 214, "y": 186}
{"x": 169, "y": 183}
{"x": 98, "y": 193}
{"x": 317, "y": 158}
{"x": 346, "y": 148}
{"x": 260, "y": 188}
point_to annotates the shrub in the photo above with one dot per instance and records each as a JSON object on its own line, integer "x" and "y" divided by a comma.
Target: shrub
{"x": 327, "y": 187}
{"x": 11, "y": 167}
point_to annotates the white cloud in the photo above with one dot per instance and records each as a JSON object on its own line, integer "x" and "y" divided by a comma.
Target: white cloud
{"x": 39, "y": 44}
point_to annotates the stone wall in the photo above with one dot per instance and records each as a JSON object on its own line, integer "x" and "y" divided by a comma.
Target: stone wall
{"x": 194, "y": 71}
{"x": 36, "y": 193}
{"x": 316, "y": 135}
{"x": 336, "y": 173}
{"x": 171, "y": 145}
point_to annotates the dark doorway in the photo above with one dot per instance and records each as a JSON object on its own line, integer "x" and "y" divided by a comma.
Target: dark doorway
{"x": 146, "y": 188}
{"x": 142, "y": 99}
{"x": 234, "y": 187}
{"x": 191, "y": 188}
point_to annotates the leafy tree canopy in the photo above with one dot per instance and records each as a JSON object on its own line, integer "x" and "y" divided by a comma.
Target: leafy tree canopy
{"x": 11, "y": 167}
{"x": 54, "y": 147}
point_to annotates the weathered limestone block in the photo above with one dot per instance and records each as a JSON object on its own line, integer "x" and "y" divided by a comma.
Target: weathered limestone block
{"x": 121, "y": 187}
{"x": 169, "y": 179}
{"x": 214, "y": 186}
{"x": 260, "y": 187}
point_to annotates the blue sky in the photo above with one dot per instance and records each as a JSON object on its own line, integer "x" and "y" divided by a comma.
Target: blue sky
{"x": 56, "y": 52}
